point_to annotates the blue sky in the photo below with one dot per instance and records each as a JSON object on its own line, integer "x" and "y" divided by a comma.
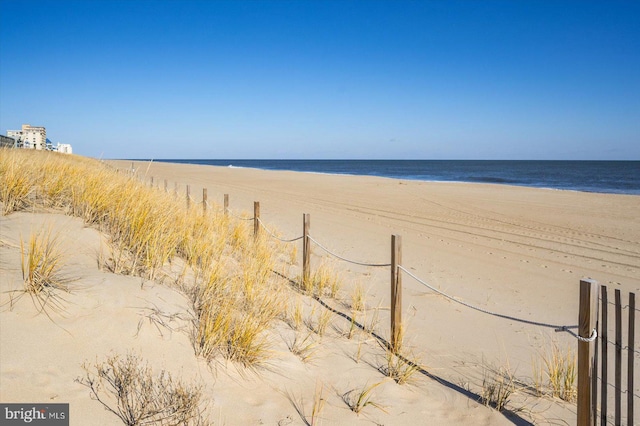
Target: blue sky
{"x": 326, "y": 79}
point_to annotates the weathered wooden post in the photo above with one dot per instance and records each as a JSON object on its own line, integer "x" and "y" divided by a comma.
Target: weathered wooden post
{"x": 630, "y": 356}
{"x": 188, "y": 197}
{"x": 204, "y": 200}
{"x": 396, "y": 293}
{"x": 151, "y": 182}
{"x": 586, "y": 323}
{"x": 604, "y": 362}
{"x": 617, "y": 419}
{"x": 166, "y": 186}
{"x": 306, "y": 249}
{"x": 256, "y": 219}
{"x": 226, "y": 204}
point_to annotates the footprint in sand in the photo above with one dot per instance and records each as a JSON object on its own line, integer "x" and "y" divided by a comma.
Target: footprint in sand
{"x": 544, "y": 266}
{"x": 568, "y": 271}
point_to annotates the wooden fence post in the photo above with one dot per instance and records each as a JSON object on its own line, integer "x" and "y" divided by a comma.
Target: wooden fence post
{"x": 631, "y": 357}
{"x": 586, "y": 323}
{"x": 166, "y": 186}
{"x": 306, "y": 248}
{"x": 188, "y": 197}
{"x": 256, "y": 219}
{"x": 151, "y": 184}
{"x": 204, "y": 200}
{"x": 396, "y": 293}
{"x": 617, "y": 400}
{"x": 226, "y": 204}
{"x": 604, "y": 359}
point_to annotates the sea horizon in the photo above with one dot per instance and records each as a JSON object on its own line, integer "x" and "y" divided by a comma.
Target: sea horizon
{"x": 600, "y": 176}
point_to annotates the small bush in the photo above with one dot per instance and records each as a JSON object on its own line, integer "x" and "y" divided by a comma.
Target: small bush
{"x": 132, "y": 392}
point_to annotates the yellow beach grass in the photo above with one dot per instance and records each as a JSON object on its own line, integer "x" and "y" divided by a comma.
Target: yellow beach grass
{"x": 227, "y": 273}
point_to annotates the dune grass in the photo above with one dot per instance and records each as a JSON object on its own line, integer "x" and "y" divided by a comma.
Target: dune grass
{"x": 358, "y": 399}
{"x": 498, "y": 385}
{"x": 41, "y": 263}
{"x": 226, "y": 272}
{"x": 560, "y": 369}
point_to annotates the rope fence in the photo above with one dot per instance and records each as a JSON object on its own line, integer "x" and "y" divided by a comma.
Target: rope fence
{"x": 276, "y": 237}
{"x": 374, "y": 265}
{"x": 591, "y": 338}
{"x": 238, "y": 216}
{"x": 558, "y": 328}
{"x": 587, "y": 333}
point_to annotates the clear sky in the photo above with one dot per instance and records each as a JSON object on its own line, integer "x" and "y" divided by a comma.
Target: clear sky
{"x": 326, "y": 79}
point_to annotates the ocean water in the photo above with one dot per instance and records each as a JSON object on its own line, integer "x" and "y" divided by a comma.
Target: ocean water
{"x": 618, "y": 177}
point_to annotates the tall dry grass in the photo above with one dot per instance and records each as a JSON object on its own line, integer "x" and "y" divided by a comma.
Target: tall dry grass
{"x": 226, "y": 273}
{"x": 560, "y": 368}
{"x": 41, "y": 261}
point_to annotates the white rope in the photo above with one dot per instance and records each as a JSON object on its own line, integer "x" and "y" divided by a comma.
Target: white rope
{"x": 594, "y": 333}
{"x": 275, "y": 236}
{"x": 238, "y": 217}
{"x": 347, "y": 260}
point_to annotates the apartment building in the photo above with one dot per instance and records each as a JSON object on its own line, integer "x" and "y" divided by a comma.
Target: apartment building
{"x": 33, "y": 137}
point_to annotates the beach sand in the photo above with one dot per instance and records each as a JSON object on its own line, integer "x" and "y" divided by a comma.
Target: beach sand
{"x": 514, "y": 251}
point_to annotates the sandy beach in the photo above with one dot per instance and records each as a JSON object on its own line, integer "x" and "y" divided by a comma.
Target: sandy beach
{"x": 513, "y": 251}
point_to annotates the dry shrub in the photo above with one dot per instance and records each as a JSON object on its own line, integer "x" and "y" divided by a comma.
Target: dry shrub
{"x": 130, "y": 390}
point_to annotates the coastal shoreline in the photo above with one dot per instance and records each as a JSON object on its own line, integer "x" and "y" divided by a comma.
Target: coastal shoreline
{"x": 613, "y": 177}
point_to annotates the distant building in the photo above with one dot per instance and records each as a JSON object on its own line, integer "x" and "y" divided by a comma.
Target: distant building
{"x": 16, "y": 136}
{"x": 32, "y": 137}
{"x": 64, "y": 148}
